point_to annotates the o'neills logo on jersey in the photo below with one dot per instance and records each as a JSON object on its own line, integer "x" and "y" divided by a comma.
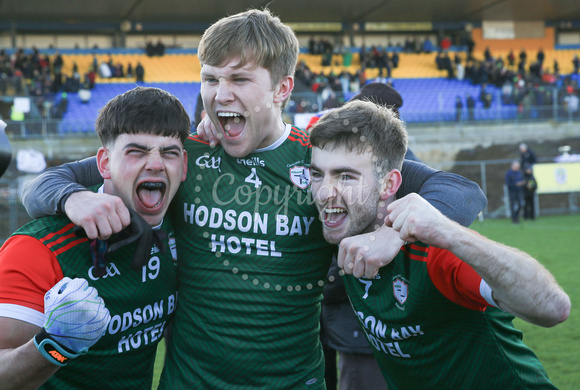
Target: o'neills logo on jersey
{"x": 300, "y": 176}
{"x": 251, "y": 162}
{"x": 208, "y": 162}
{"x": 400, "y": 290}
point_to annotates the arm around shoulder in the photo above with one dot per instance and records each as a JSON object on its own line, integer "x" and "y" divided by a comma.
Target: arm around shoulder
{"x": 46, "y": 193}
{"x": 453, "y": 195}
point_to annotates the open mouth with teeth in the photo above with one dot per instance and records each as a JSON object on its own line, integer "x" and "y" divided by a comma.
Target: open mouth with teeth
{"x": 151, "y": 194}
{"x": 333, "y": 216}
{"x": 232, "y": 123}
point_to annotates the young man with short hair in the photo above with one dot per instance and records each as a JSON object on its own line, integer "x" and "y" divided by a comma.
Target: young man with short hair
{"x": 70, "y": 337}
{"x": 439, "y": 315}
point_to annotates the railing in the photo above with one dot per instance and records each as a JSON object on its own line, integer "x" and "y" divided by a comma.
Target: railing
{"x": 558, "y": 107}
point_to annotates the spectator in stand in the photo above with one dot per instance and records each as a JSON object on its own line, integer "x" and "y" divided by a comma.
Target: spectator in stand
{"x": 529, "y": 190}
{"x": 448, "y": 66}
{"x": 105, "y": 71}
{"x": 514, "y": 180}
{"x": 523, "y": 55}
{"x": 159, "y": 48}
{"x": 439, "y": 61}
{"x": 470, "y": 45}
{"x": 57, "y": 63}
{"x": 571, "y": 101}
{"x": 427, "y": 46}
{"x": 312, "y": 45}
{"x": 445, "y": 43}
{"x": 487, "y": 54}
{"x": 395, "y": 59}
{"x": 129, "y": 71}
{"x": 540, "y": 56}
{"x": 409, "y": 46}
{"x": 527, "y": 155}
{"x": 522, "y": 67}
{"x": 576, "y": 63}
{"x": 485, "y": 96}
{"x": 140, "y": 72}
{"x": 511, "y": 58}
{"x": 458, "y": 109}
{"x": 470, "y": 101}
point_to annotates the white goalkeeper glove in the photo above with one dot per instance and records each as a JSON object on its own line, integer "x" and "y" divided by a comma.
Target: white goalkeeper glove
{"x": 75, "y": 318}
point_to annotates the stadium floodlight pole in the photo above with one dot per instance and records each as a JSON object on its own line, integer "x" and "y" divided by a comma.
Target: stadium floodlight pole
{"x": 5, "y": 149}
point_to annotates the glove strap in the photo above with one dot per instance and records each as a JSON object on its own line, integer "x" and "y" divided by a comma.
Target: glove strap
{"x": 53, "y": 351}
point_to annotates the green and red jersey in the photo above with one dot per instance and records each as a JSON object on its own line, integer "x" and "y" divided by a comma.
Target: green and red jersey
{"x": 141, "y": 302}
{"x": 256, "y": 260}
{"x": 430, "y": 321}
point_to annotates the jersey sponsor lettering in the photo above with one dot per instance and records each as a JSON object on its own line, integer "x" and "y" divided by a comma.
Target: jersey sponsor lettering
{"x": 384, "y": 339}
{"x": 141, "y": 338}
{"x": 246, "y": 222}
{"x": 122, "y": 323}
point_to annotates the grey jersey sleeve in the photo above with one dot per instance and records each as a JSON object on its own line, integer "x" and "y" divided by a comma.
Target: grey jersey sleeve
{"x": 47, "y": 192}
{"x": 453, "y": 195}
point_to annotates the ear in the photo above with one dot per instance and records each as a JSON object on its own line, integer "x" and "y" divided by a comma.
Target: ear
{"x": 184, "y": 166}
{"x": 103, "y": 162}
{"x": 284, "y": 89}
{"x": 391, "y": 184}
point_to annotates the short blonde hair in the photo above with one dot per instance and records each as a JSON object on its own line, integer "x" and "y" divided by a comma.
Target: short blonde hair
{"x": 253, "y": 35}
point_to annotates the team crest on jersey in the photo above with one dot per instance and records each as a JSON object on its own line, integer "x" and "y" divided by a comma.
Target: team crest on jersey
{"x": 400, "y": 289}
{"x": 300, "y": 176}
{"x": 172, "y": 247}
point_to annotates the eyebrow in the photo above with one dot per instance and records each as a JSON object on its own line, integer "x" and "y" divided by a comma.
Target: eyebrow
{"x": 238, "y": 73}
{"x": 143, "y": 147}
{"x": 339, "y": 169}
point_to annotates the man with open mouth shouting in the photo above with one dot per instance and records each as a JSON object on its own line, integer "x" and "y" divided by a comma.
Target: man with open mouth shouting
{"x": 438, "y": 315}
{"x": 111, "y": 299}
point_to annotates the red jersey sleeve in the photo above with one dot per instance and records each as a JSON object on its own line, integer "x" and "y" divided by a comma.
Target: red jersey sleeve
{"x": 28, "y": 269}
{"x": 455, "y": 279}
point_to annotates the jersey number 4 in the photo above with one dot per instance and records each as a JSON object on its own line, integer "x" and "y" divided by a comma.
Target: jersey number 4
{"x": 253, "y": 179}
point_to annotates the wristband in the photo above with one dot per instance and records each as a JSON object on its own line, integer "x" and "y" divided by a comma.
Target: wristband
{"x": 53, "y": 351}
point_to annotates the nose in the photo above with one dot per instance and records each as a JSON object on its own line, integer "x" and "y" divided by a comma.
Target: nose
{"x": 223, "y": 93}
{"x": 325, "y": 191}
{"x": 155, "y": 161}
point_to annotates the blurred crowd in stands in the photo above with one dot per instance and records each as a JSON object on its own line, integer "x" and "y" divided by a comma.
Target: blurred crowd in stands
{"x": 44, "y": 78}
{"x": 524, "y": 80}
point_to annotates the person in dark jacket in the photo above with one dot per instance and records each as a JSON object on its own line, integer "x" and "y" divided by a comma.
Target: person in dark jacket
{"x": 514, "y": 180}
{"x": 527, "y": 155}
{"x": 529, "y": 190}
